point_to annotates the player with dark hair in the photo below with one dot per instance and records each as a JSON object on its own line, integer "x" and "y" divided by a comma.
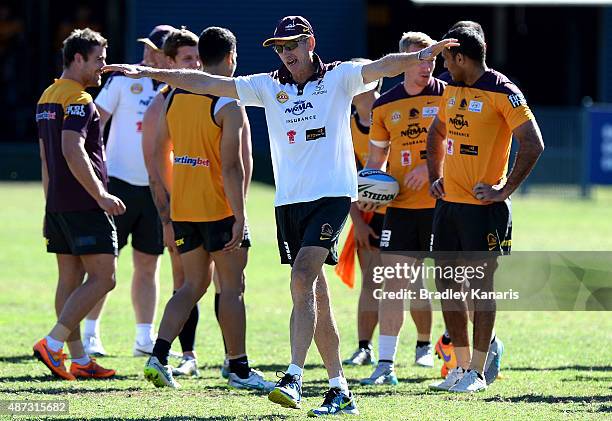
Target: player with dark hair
{"x": 307, "y": 107}
{"x": 468, "y": 148}
{"x": 78, "y": 225}
{"x": 446, "y": 77}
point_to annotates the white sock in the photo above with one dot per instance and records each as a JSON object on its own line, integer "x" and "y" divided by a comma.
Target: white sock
{"x": 295, "y": 370}
{"x": 339, "y": 383}
{"x": 387, "y": 347}
{"x": 53, "y": 344}
{"x": 144, "y": 333}
{"x": 91, "y": 328}
{"x": 84, "y": 360}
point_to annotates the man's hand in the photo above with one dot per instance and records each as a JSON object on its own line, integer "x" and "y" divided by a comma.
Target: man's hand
{"x": 417, "y": 178}
{"x": 367, "y": 206}
{"x": 111, "y": 204}
{"x": 488, "y": 194}
{"x": 237, "y": 235}
{"x": 362, "y": 233}
{"x": 130, "y": 70}
{"x": 432, "y": 51}
{"x": 437, "y": 189}
{"x": 169, "y": 238}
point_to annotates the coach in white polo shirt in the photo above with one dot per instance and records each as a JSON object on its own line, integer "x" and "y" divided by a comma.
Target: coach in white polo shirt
{"x": 307, "y": 106}
{"x": 126, "y": 100}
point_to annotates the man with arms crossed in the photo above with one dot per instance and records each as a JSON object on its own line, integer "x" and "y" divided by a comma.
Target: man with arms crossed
{"x": 79, "y": 211}
{"x": 307, "y": 107}
{"x": 400, "y": 119}
{"x": 468, "y": 148}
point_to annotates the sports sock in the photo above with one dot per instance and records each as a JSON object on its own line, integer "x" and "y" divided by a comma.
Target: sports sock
{"x": 84, "y": 360}
{"x": 188, "y": 333}
{"x": 422, "y": 343}
{"x": 144, "y": 333}
{"x": 339, "y": 383}
{"x": 295, "y": 370}
{"x": 446, "y": 339}
{"x": 217, "y": 298}
{"x": 161, "y": 349}
{"x": 387, "y": 347}
{"x": 240, "y": 367}
{"x": 91, "y": 327}
{"x": 365, "y": 344}
{"x": 53, "y": 344}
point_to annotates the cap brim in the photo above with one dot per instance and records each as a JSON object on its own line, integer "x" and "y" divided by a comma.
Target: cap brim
{"x": 148, "y": 42}
{"x": 270, "y": 41}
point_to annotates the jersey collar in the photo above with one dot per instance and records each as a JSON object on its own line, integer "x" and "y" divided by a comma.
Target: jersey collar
{"x": 285, "y": 77}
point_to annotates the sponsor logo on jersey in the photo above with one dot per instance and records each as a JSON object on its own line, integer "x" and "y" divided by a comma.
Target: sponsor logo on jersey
{"x": 145, "y": 102}
{"x": 282, "y": 97}
{"x": 327, "y": 232}
{"x": 45, "y": 115}
{"x": 414, "y": 113}
{"x": 291, "y": 136}
{"x": 423, "y": 154}
{"x": 406, "y": 158}
{"x": 451, "y": 101}
{"x": 450, "y": 146}
{"x": 191, "y": 161}
{"x": 459, "y": 122}
{"x": 136, "y": 88}
{"x": 475, "y": 106}
{"x": 78, "y": 110}
{"x": 516, "y": 100}
{"x": 463, "y": 104}
{"x": 396, "y": 116}
{"x": 320, "y": 88}
{"x": 300, "y": 119}
{"x": 413, "y": 131}
{"x": 314, "y": 134}
{"x": 299, "y": 108}
{"x": 430, "y": 111}
{"x": 492, "y": 241}
{"x": 468, "y": 149}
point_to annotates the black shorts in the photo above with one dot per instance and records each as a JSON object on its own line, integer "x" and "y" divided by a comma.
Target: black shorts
{"x": 80, "y": 232}
{"x": 478, "y": 228}
{"x": 407, "y": 231}
{"x": 140, "y": 218}
{"x": 211, "y": 235}
{"x": 316, "y": 223}
{"x": 376, "y": 223}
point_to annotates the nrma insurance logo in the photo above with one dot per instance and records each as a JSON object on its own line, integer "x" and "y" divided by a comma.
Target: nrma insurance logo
{"x": 191, "y": 161}
{"x": 298, "y": 108}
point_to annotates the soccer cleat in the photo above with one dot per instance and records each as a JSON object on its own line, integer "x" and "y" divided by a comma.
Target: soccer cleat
{"x": 146, "y": 350}
{"x": 187, "y": 367}
{"x": 287, "y": 391}
{"x": 362, "y": 356}
{"x": 255, "y": 381}
{"x": 93, "y": 346}
{"x": 447, "y": 354}
{"x": 53, "y": 360}
{"x": 158, "y": 374}
{"x": 383, "y": 374}
{"x": 471, "y": 382}
{"x": 454, "y": 376}
{"x": 423, "y": 356}
{"x": 225, "y": 370}
{"x": 492, "y": 365}
{"x": 91, "y": 370}
{"x": 335, "y": 403}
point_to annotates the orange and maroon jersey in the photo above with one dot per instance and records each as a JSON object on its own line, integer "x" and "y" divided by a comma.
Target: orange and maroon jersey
{"x": 403, "y": 121}
{"x": 66, "y": 106}
{"x": 479, "y": 123}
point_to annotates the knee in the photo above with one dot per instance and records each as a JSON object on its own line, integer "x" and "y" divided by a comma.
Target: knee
{"x": 145, "y": 268}
{"x": 302, "y": 281}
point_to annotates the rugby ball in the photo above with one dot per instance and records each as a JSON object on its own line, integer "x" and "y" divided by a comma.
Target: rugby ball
{"x": 375, "y": 186}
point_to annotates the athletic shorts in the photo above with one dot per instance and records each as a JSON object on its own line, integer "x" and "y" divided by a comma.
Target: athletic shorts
{"x": 376, "y": 223}
{"x": 467, "y": 227}
{"x": 80, "y": 232}
{"x": 211, "y": 235}
{"x": 316, "y": 223}
{"x": 140, "y": 219}
{"x": 407, "y": 231}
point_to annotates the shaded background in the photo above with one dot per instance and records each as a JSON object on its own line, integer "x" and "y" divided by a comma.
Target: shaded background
{"x": 561, "y": 58}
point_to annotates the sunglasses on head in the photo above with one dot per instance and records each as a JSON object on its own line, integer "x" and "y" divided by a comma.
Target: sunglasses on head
{"x": 289, "y": 45}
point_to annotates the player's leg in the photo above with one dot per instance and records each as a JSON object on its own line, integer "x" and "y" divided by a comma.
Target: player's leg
{"x": 225, "y": 366}
{"x": 144, "y": 292}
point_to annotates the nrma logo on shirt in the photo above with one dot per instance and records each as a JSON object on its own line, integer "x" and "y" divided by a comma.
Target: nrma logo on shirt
{"x": 191, "y": 161}
{"x": 298, "y": 108}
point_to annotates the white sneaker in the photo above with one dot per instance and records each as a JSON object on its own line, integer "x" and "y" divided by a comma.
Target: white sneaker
{"x": 471, "y": 382}
{"x": 423, "y": 356}
{"x": 146, "y": 349}
{"x": 454, "y": 376}
{"x": 225, "y": 371}
{"x": 93, "y": 346}
{"x": 160, "y": 375}
{"x": 255, "y": 381}
{"x": 187, "y": 367}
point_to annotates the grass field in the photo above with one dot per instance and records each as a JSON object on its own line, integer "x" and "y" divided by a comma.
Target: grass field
{"x": 557, "y": 365}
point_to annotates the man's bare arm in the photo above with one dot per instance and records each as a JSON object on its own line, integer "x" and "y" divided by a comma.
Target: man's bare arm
{"x": 44, "y": 170}
{"x": 377, "y": 156}
{"x": 247, "y": 155}
{"x": 160, "y": 174}
{"x": 149, "y": 131}
{"x": 194, "y": 81}
{"x": 104, "y": 117}
{"x": 435, "y": 149}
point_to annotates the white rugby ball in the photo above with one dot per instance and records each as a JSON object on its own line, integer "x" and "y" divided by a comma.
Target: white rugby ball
{"x": 375, "y": 186}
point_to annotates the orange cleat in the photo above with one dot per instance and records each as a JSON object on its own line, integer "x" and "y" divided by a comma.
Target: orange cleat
{"x": 53, "y": 360}
{"x": 91, "y": 371}
{"x": 447, "y": 354}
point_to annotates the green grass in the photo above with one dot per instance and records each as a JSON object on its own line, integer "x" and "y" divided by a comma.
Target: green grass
{"x": 557, "y": 364}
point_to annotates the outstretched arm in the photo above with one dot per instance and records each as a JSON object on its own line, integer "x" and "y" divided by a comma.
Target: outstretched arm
{"x": 191, "y": 80}
{"x": 393, "y": 64}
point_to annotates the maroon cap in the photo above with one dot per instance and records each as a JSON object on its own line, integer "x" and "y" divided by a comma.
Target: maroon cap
{"x": 290, "y": 27}
{"x": 155, "y": 40}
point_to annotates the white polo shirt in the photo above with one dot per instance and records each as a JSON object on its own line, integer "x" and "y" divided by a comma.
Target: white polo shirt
{"x": 127, "y": 100}
{"x": 309, "y": 129}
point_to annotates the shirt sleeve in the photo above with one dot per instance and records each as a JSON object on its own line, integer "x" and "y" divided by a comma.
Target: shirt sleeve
{"x": 251, "y": 89}
{"x": 514, "y": 108}
{"x": 378, "y": 130}
{"x": 78, "y": 114}
{"x": 108, "y": 98}
{"x": 353, "y": 79}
